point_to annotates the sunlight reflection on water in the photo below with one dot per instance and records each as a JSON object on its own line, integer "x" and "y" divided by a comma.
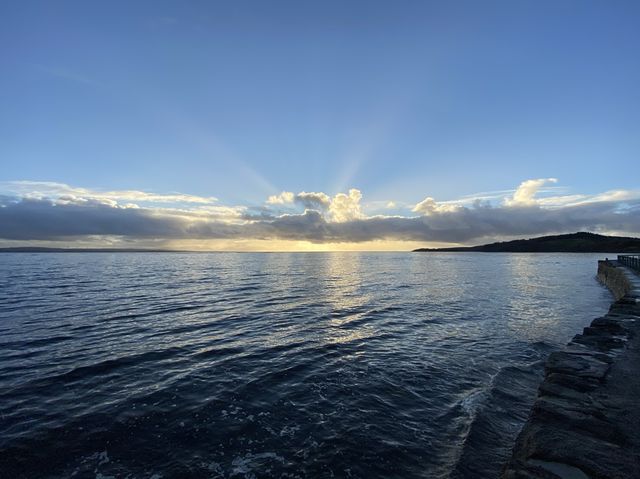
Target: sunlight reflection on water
{"x": 382, "y": 365}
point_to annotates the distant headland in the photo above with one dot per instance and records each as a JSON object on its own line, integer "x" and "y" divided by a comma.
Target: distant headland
{"x": 581, "y": 242}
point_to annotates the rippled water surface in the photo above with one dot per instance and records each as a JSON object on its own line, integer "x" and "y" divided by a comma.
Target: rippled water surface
{"x": 278, "y": 365}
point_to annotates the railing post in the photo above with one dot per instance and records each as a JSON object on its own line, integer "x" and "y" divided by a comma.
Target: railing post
{"x": 632, "y": 261}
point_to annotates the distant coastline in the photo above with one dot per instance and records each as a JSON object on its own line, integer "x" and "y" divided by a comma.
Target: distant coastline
{"x": 581, "y": 242}
{"x": 40, "y": 249}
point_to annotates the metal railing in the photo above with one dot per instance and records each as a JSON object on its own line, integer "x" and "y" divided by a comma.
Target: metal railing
{"x": 630, "y": 260}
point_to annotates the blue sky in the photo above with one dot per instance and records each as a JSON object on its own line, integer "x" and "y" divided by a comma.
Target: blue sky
{"x": 243, "y": 100}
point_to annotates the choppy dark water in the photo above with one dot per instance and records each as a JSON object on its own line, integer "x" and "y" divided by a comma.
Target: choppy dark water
{"x": 277, "y": 365}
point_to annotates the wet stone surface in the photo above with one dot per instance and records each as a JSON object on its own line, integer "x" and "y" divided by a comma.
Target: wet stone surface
{"x": 585, "y": 423}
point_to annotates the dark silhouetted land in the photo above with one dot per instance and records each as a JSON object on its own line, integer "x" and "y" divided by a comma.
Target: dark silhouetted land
{"x": 581, "y": 242}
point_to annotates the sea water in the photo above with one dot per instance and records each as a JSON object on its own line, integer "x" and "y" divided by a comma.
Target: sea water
{"x": 154, "y": 365}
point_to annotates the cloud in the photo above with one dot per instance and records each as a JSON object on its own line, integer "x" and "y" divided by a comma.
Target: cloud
{"x": 286, "y": 197}
{"x": 429, "y": 206}
{"x": 313, "y": 200}
{"x": 345, "y": 207}
{"x": 342, "y": 207}
{"x": 526, "y": 192}
{"x": 337, "y": 219}
{"x": 308, "y": 200}
{"x": 48, "y": 189}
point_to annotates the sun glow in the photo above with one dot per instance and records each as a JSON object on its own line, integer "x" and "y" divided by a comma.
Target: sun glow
{"x": 296, "y": 246}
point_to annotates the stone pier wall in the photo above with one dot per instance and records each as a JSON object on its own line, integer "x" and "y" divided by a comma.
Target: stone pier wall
{"x": 585, "y": 423}
{"x": 614, "y": 277}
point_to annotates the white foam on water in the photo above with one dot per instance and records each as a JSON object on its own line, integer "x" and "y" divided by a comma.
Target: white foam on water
{"x": 103, "y": 458}
{"x": 246, "y": 464}
{"x": 289, "y": 431}
{"x": 472, "y": 401}
{"x": 216, "y": 468}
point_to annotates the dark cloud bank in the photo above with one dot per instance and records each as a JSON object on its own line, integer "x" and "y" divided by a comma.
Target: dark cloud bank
{"x": 39, "y": 219}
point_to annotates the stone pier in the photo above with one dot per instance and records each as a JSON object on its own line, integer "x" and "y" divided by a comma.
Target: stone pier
{"x": 585, "y": 423}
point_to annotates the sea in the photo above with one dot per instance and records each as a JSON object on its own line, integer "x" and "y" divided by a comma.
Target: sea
{"x": 278, "y": 365}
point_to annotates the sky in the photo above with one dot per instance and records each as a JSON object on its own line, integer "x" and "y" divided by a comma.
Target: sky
{"x": 359, "y": 125}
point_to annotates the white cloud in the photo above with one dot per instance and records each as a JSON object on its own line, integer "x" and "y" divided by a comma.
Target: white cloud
{"x": 286, "y": 197}
{"x": 307, "y": 199}
{"x": 526, "y": 192}
{"x": 53, "y": 190}
{"x": 617, "y": 195}
{"x": 345, "y": 207}
{"x": 342, "y": 207}
{"x": 429, "y": 206}
{"x": 37, "y": 214}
